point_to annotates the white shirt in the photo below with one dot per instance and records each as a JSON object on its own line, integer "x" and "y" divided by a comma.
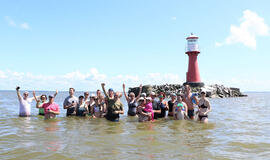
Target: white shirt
{"x": 25, "y": 107}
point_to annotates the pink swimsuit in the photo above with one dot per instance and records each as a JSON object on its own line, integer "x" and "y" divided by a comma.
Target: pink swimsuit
{"x": 148, "y": 108}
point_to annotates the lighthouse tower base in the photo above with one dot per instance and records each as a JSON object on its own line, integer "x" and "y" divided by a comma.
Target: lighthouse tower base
{"x": 194, "y": 84}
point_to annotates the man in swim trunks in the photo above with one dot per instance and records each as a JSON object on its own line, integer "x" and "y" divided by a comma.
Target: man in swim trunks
{"x": 188, "y": 100}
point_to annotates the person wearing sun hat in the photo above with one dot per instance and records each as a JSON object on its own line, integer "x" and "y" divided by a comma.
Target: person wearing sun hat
{"x": 142, "y": 114}
{"x": 204, "y": 108}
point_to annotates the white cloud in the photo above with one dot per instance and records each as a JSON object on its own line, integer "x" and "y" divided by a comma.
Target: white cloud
{"x": 250, "y": 28}
{"x": 81, "y": 81}
{"x": 12, "y": 23}
{"x": 92, "y": 79}
{"x": 24, "y": 26}
{"x": 173, "y": 18}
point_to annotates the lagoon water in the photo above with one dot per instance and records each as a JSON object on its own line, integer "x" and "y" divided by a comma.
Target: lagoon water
{"x": 238, "y": 128}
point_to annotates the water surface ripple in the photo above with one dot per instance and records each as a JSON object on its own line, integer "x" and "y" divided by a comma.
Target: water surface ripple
{"x": 238, "y": 129}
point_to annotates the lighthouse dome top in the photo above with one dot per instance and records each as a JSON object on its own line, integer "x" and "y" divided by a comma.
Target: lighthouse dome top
{"x": 192, "y": 36}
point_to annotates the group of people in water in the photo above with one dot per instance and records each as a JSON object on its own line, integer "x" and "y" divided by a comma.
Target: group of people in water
{"x": 145, "y": 107}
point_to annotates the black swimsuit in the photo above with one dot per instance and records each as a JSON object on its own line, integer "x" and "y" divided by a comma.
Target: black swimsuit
{"x": 132, "y": 108}
{"x": 202, "y": 116}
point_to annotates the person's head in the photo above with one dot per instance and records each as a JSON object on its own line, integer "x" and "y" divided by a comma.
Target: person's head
{"x": 98, "y": 93}
{"x": 51, "y": 99}
{"x": 187, "y": 88}
{"x": 43, "y": 98}
{"x": 173, "y": 96}
{"x": 111, "y": 92}
{"x": 148, "y": 100}
{"x": 86, "y": 94}
{"x": 132, "y": 95}
{"x": 25, "y": 95}
{"x": 96, "y": 99}
{"x": 153, "y": 95}
{"x": 141, "y": 101}
{"x": 117, "y": 95}
{"x": 180, "y": 97}
{"x": 203, "y": 94}
{"x": 81, "y": 98}
{"x": 71, "y": 91}
{"x": 92, "y": 97}
{"x": 143, "y": 95}
{"x": 161, "y": 96}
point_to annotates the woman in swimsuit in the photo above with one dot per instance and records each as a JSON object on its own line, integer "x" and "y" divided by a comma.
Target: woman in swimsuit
{"x": 96, "y": 109}
{"x": 204, "y": 108}
{"x": 132, "y": 101}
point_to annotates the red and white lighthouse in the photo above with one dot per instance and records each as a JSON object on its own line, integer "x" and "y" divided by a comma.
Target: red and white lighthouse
{"x": 192, "y": 50}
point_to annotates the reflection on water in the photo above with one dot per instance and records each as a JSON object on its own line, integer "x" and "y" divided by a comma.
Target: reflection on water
{"x": 232, "y": 133}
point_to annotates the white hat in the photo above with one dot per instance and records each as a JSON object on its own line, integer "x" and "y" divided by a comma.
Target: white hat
{"x": 153, "y": 93}
{"x": 141, "y": 98}
{"x": 149, "y": 98}
{"x": 143, "y": 95}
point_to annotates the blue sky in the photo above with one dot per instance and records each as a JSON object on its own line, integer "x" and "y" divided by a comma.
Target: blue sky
{"x": 57, "y": 44}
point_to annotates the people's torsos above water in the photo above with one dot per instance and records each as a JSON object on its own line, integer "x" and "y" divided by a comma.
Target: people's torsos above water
{"x": 41, "y": 110}
{"x": 112, "y": 107}
{"x": 203, "y": 106}
{"x": 68, "y": 101}
{"x": 132, "y": 105}
{"x": 53, "y": 107}
{"x": 25, "y": 106}
{"x": 156, "y": 107}
{"x": 179, "y": 110}
{"x": 163, "y": 109}
{"x": 81, "y": 109}
{"x": 171, "y": 104}
{"x": 188, "y": 100}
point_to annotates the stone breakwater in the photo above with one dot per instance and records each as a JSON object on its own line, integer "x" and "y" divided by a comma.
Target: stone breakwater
{"x": 212, "y": 91}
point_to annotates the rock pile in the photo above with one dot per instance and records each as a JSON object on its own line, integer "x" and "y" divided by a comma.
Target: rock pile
{"x": 212, "y": 91}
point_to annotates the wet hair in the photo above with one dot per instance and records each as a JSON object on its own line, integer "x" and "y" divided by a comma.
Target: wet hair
{"x": 81, "y": 97}
{"x": 44, "y": 96}
{"x": 72, "y": 89}
{"x": 162, "y": 94}
{"x": 131, "y": 93}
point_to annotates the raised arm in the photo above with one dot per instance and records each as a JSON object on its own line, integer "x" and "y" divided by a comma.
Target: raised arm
{"x": 34, "y": 95}
{"x": 124, "y": 90}
{"x": 103, "y": 88}
{"x": 139, "y": 95}
{"x": 18, "y": 93}
{"x": 55, "y": 94}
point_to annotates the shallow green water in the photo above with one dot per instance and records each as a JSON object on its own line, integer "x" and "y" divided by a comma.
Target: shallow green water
{"x": 238, "y": 128}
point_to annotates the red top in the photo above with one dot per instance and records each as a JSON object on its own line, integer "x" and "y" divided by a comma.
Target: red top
{"x": 54, "y": 107}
